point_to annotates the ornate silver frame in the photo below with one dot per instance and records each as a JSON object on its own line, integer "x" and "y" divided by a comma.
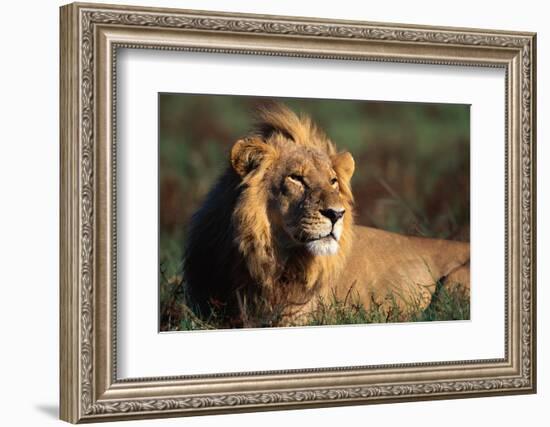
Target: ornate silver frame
{"x": 90, "y": 36}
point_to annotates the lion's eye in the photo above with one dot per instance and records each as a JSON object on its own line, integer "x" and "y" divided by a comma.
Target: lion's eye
{"x": 334, "y": 181}
{"x": 299, "y": 179}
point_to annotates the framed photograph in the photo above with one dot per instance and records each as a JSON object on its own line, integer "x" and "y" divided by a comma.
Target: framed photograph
{"x": 265, "y": 212}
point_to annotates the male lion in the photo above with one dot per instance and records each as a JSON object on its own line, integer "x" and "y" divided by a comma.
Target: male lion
{"x": 276, "y": 233}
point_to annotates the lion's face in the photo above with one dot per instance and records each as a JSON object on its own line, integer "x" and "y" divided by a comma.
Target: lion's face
{"x": 305, "y": 200}
{"x": 308, "y": 198}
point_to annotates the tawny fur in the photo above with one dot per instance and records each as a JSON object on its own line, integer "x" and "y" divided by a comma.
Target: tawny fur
{"x": 245, "y": 258}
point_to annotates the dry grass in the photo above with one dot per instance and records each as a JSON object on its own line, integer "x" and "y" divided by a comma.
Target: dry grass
{"x": 176, "y": 315}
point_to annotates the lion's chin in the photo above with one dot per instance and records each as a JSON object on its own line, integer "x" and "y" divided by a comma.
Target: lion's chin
{"x": 322, "y": 247}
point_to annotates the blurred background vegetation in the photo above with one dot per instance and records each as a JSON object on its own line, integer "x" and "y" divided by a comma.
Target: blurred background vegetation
{"x": 412, "y": 164}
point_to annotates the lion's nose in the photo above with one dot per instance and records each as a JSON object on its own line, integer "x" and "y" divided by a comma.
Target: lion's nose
{"x": 333, "y": 214}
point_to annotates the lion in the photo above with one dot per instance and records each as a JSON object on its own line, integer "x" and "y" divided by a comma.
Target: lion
{"x": 276, "y": 233}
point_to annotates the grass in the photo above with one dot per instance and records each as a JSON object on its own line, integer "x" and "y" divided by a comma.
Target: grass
{"x": 176, "y": 315}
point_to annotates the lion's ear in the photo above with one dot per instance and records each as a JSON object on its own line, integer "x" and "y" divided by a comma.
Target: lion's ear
{"x": 248, "y": 153}
{"x": 343, "y": 164}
